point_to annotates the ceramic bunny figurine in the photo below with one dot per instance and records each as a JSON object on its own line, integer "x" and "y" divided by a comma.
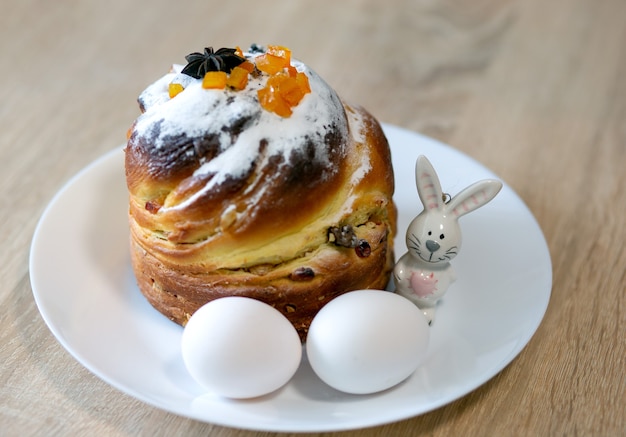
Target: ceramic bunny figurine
{"x": 433, "y": 238}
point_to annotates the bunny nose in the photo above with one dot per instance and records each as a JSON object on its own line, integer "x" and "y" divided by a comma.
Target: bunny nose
{"x": 432, "y": 246}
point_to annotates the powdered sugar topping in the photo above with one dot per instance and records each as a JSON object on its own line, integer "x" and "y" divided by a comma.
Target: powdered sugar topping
{"x": 197, "y": 112}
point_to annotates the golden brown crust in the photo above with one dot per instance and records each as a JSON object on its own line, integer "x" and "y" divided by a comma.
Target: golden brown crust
{"x": 298, "y": 288}
{"x": 279, "y": 250}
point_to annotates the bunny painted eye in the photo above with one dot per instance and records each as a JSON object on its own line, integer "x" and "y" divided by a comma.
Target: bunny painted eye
{"x": 441, "y": 237}
{"x": 430, "y": 233}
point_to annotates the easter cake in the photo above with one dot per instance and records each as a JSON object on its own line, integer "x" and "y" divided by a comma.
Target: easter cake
{"x": 249, "y": 176}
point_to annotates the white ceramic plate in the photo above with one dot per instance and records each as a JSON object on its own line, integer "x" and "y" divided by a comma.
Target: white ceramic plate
{"x": 85, "y": 290}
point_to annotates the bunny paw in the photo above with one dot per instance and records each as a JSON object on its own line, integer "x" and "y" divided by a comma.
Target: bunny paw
{"x": 429, "y": 313}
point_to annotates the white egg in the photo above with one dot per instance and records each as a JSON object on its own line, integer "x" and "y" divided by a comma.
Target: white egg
{"x": 239, "y": 347}
{"x": 366, "y": 341}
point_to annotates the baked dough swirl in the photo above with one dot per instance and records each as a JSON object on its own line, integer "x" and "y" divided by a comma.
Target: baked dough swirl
{"x": 229, "y": 199}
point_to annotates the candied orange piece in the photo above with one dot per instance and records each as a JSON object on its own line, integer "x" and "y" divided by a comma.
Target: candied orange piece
{"x": 247, "y": 65}
{"x": 214, "y": 80}
{"x": 287, "y": 88}
{"x": 174, "y": 89}
{"x": 281, "y": 52}
{"x": 238, "y": 78}
{"x": 271, "y": 101}
{"x": 238, "y": 51}
{"x": 270, "y": 64}
{"x": 303, "y": 82}
{"x": 291, "y": 71}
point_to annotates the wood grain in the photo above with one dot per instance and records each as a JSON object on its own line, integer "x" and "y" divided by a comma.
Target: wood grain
{"x": 534, "y": 90}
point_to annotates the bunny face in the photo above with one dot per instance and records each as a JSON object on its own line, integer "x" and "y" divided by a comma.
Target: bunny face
{"x": 434, "y": 238}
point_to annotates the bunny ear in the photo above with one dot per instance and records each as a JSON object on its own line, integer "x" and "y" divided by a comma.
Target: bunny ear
{"x": 428, "y": 185}
{"x": 473, "y": 197}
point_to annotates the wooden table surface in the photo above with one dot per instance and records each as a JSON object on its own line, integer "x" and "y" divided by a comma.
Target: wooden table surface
{"x": 534, "y": 90}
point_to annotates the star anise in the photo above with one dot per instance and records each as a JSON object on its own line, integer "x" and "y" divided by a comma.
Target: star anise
{"x": 200, "y": 63}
